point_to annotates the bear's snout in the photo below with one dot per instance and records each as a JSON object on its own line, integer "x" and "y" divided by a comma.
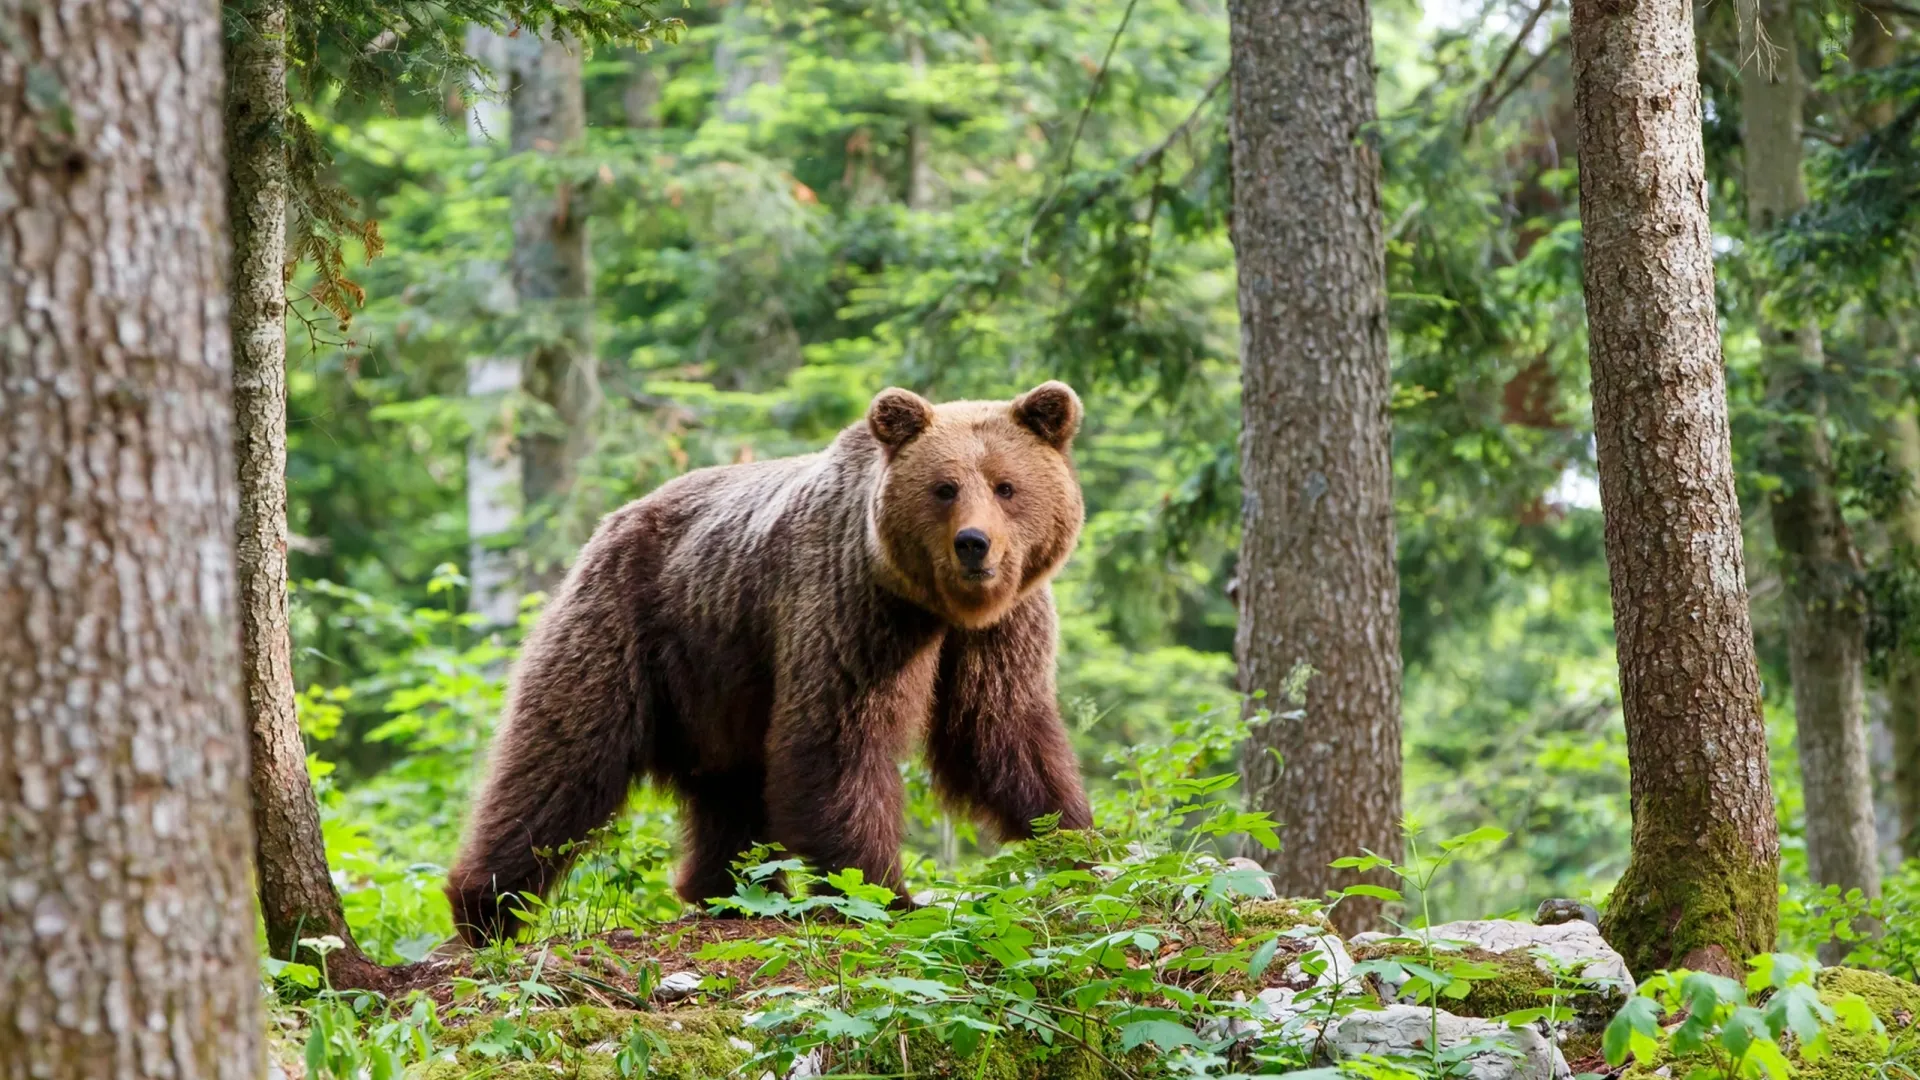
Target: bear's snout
{"x": 971, "y": 546}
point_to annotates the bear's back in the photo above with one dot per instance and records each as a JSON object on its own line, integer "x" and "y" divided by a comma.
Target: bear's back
{"x": 720, "y": 546}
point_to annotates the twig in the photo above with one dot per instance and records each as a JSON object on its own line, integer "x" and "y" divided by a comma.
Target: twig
{"x": 1892, "y": 6}
{"x": 1766, "y": 54}
{"x": 1084, "y": 1044}
{"x": 1139, "y": 161}
{"x": 1093, "y": 95}
{"x": 1399, "y": 226}
{"x": 1519, "y": 80}
{"x": 1479, "y": 112}
{"x": 589, "y": 981}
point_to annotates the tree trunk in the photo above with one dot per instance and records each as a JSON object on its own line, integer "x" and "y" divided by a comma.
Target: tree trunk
{"x": 551, "y": 273}
{"x": 640, "y": 94}
{"x": 1826, "y": 624}
{"x": 127, "y": 926}
{"x": 920, "y": 175}
{"x": 493, "y": 453}
{"x": 1903, "y": 682}
{"x": 493, "y": 491}
{"x": 297, "y": 897}
{"x": 742, "y": 59}
{"x": 1873, "y": 47}
{"x": 486, "y": 104}
{"x": 1318, "y": 584}
{"x": 1700, "y": 886}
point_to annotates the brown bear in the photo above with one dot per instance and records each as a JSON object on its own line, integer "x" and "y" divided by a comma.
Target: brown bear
{"x": 767, "y": 639}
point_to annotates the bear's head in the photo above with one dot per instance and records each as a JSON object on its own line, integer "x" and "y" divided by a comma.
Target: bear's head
{"x": 978, "y": 505}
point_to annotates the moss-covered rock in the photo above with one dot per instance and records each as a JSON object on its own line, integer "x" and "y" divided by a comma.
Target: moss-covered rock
{"x": 1858, "y": 1055}
{"x": 1283, "y": 915}
{"x": 1855, "y": 1055}
{"x": 1513, "y": 981}
{"x": 1895, "y": 1001}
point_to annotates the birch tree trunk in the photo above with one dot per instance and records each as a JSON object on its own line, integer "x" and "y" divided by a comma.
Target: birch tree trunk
{"x": 640, "y": 94}
{"x": 551, "y": 273}
{"x": 297, "y": 897}
{"x": 1318, "y": 584}
{"x": 1826, "y": 608}
{"x": 743, "y": 58}
{"x": 1700, "y": 888}
{"x": 493, "y": 453}
{"x": 920, "y": 175}
{"x": 127, "y": 922}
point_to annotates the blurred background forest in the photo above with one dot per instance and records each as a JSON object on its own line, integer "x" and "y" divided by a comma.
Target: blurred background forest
{"x": 789, "y": 206}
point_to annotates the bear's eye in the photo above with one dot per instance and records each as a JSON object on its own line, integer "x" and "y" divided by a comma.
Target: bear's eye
{"x": 1003, "y": 489}
{"x": 946, "y": 492}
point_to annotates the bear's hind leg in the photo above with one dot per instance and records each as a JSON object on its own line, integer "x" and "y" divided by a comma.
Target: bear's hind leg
{"x": 567, "y": 750}
{"x": 725, "y": 815}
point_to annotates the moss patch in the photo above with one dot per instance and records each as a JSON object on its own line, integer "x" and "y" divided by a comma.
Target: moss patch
{"x": 1895, "y": 1001}
{"x": 702, "y": 1044}
{"x": 1858, "y": 1055}
{"x": 1855, "y": 1055}
{"x": 1283, "y": 915}
{"x": 707, "y": 1044}
{"x": 1584, "y": 1052}
{"x": 1017, "y": 1057}
{"x": 1513, "y": 984}
{"x": 1691, "y": 899}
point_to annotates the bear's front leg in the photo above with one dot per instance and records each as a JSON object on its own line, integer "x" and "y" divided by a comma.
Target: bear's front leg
{"x": 997, "y": 745}
{"x": 834, "y": 794}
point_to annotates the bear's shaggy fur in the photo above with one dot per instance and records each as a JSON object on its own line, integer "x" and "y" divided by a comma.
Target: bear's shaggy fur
{"x": 768, "y": 639}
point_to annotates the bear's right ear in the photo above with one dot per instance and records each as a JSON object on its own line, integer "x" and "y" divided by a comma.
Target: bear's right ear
{"x": 896, "y": 416}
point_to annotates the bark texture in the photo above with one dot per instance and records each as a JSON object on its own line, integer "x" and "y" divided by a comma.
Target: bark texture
{"x": 1317, "y": 580}
{"x": 551, "y": 271}
{"x": 127, "y": 923}
{"x": 1826, "y": 607}
{"x": 1700, "y": 887}
{"x": 297, "y": 897}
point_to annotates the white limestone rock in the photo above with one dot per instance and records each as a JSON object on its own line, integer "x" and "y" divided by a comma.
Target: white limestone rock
{"x": 1407, "y": 1031}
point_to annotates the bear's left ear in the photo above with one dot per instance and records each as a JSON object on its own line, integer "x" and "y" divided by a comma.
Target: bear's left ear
{"x": 1051, "y": 411}
{"x": 896, "y": 416}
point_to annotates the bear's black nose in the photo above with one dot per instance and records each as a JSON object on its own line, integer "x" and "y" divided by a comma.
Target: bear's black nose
{"x": 971, "y": 545}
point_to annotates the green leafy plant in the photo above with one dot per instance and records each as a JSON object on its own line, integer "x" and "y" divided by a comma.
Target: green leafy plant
{"x": 1722, "y": 1035}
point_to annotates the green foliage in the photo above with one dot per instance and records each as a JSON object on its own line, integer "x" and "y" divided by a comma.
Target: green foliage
{"x": 764, "y": 263}
{"x": 1858, "y": 236}
{"x": 1722, "y": 1035}
{"x": 1883, "y": 931}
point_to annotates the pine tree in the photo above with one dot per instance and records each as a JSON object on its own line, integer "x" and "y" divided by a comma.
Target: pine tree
{"x": 1318, "y": 584}
{"x": 1700, "y": 889}
{"x": 1826, "y": 606}
{"x": 127, "y": 933}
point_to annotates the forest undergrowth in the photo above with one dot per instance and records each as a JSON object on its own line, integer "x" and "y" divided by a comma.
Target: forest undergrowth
{"x": 1144, "y": 949}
